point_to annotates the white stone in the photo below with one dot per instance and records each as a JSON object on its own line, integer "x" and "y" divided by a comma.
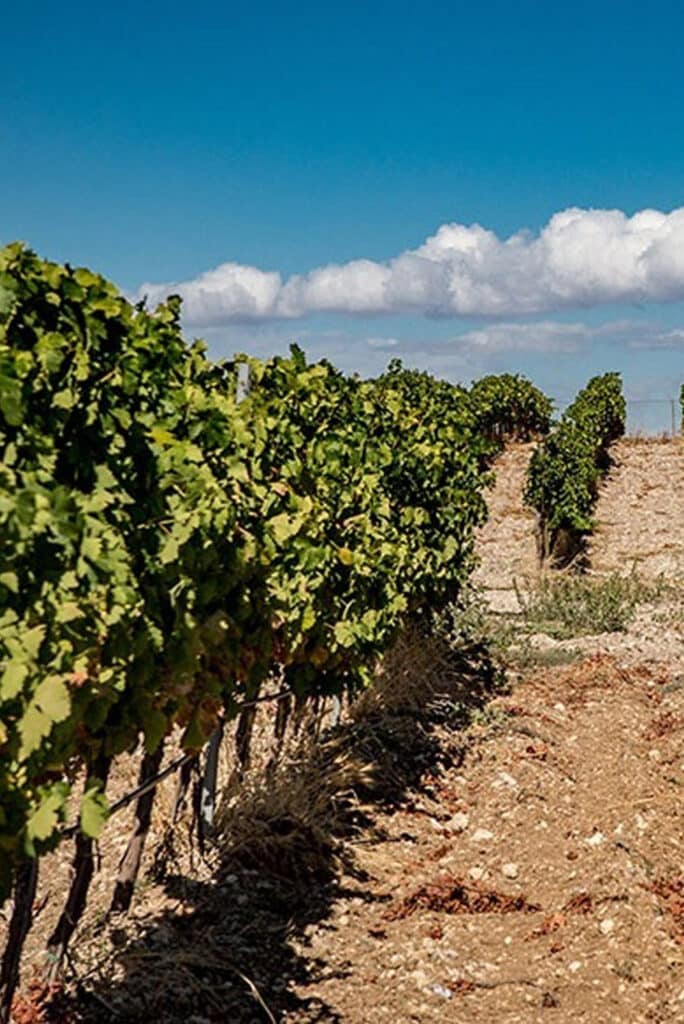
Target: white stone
{"x": 477, "y": 873}
{"x": 510, "y": 870}
{"x": 482, "y": 835}
{"x": 596, "y": 839}
{"x": 459, "y": 822}
{"x": 576, "y": 965}
{"x": 504, "y": 779}
{"x": 607, "y": 926}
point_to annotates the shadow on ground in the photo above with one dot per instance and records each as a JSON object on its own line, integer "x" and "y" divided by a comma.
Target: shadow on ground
{"x": 225, "y": 952}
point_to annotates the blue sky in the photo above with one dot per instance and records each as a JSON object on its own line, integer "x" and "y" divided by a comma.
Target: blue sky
{"x": 156, "y": 143}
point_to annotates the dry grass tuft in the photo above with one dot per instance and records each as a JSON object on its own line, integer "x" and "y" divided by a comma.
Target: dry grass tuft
{"x": 290, "y": 815}
{"x": 287, "y": 822}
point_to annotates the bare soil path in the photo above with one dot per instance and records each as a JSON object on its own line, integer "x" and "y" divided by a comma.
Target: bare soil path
{"x": 640, "y": 513}
{"x": 539, "y": 880}
{"x": 506, "y": 544}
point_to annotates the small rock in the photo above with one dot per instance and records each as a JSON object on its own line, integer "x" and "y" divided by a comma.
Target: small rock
{"x": 559, "y": 707}
{"x": 596, "y": 839}
{"x": 440, "y": 990}
{"x": 459, "y": 822}
{"x": 343, "y": 919}
{"x": 477, "y": 873}
{"x": 510, "y": 870}
{"x": 576, "y": 965}
{"x": 482, "y": 835}
{"x": 508, "y": 779}
{"x": 607, "y": 926}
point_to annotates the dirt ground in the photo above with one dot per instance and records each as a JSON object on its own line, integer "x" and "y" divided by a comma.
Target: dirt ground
{"x": 507, "y": 544}
{"x": 541, "y": 878}
{"x": 526, "y": 866}
{"x": 640, "y": 513}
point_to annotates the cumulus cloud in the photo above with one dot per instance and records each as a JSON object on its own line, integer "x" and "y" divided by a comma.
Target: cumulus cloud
{"x": 230, "y": 292}
{"x": 581, "y": 258}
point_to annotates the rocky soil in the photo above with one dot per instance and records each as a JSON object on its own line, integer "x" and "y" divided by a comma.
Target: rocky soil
{"x": 640, "y": 514}
{"x": 507, "y": 543}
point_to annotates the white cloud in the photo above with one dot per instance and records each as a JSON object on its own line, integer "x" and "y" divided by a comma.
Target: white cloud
{"x": 229, "y": 292}
{"x": 538, "y": 336}
{"x": 383, "y": 343}
{"x": 581, "y": 258}
{"x": 672, "y": 339}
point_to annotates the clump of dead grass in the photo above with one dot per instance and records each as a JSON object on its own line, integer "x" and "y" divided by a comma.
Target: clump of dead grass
{"x": 289, "y": 822}
{"x": 292, "y": 814}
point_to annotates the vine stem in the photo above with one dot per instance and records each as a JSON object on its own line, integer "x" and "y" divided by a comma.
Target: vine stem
{"x": 25, "y": 885}
{"x": 83, "y": 868}
{"x": 129, "y": 865}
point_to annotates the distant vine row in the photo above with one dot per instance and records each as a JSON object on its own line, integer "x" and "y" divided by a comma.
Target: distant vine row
{"x": 563, "y": 476}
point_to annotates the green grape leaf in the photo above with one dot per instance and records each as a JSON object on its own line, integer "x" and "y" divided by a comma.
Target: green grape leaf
{"x": 32, "y": 639}
{"x": 34, "y": 726}
{"x": 94, "y": 811}
{"x": 52, "y": 696}
{"x": 169, "y": 550}
{"x": 283, "y": 527}
{"x": 10, "y": 580}
{"x": 13, "y": 679}
{"x": 45, "y": 818}
{"x": 11, "y": 404}
{"x": 344, "y": 634}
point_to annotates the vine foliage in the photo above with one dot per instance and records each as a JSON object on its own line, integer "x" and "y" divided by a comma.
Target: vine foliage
{"x": 163, "y": 548}
{"x": 562, "y": 482}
